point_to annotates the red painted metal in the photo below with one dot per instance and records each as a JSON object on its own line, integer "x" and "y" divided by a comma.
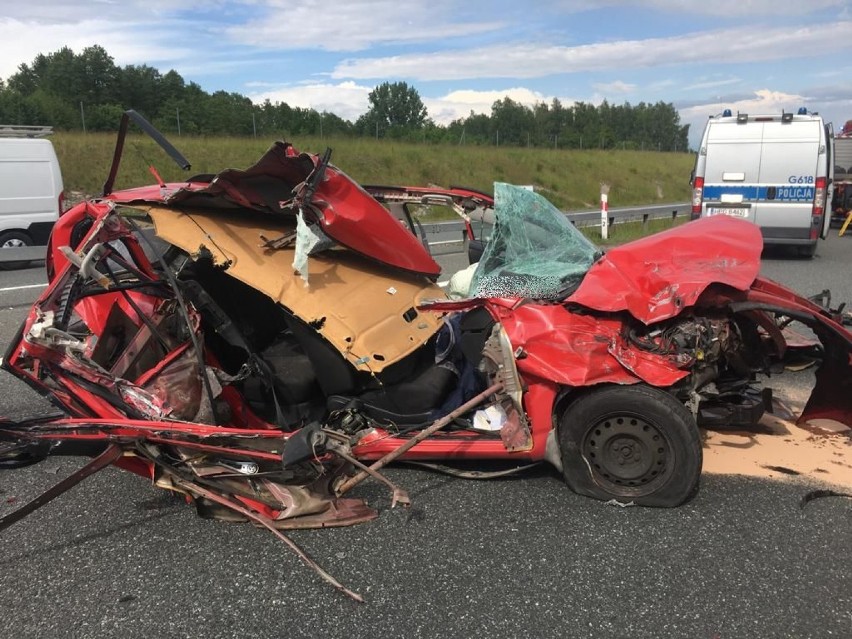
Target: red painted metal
{"x": 657, "y": 277}
{"x": 353, "y": 218}
{"x": 709, "y": 263}
{"x": 348, "y": 214}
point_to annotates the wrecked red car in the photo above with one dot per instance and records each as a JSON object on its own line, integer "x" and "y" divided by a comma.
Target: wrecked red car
{"x": 262, "y": 340}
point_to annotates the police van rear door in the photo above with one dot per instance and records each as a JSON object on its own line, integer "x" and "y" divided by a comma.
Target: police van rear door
{"x": 789, "y": 165}
{"x": 732, "y": 168}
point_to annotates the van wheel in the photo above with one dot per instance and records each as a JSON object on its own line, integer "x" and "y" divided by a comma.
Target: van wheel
{"x": 14, "y": 239}
{"x": 807, "y": 251}
{"x": 631, "y": 443}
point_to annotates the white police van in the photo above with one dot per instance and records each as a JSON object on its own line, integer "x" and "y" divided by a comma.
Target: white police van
{"x": 774, "y": 170}
{"x": 31, "y": 189}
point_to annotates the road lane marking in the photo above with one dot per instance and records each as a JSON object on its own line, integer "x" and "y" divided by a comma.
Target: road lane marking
{"x": 21, "y": 288}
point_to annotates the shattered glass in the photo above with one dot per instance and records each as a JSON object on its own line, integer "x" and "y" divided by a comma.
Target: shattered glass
{"x": 534, "y": 251}
{"x": 310, "y": 240}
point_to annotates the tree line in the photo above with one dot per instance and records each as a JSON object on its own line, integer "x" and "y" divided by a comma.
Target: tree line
{"x": 88, "y": 91}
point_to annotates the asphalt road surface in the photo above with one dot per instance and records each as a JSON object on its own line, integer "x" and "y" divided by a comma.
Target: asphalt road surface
{"x": 115, "y": 557}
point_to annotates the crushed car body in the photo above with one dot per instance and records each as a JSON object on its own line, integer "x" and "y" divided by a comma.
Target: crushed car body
{"x": 262, "y": 340}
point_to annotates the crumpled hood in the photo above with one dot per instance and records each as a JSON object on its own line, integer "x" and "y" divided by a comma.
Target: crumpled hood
{"x": 656, "y": 277}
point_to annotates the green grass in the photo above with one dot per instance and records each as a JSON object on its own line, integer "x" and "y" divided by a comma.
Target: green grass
{"x": 570, "y": 179}
{"x": 628, "y": 231}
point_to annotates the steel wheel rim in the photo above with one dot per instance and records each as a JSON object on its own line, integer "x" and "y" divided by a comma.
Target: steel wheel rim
{"x": 628, "y": 453}
{"x": 14, "y": 243}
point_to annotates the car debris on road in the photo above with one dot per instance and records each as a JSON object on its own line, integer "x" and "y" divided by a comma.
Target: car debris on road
{"x": 262, "y": 340}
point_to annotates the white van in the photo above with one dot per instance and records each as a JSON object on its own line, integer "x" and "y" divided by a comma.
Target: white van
{"x": 31, "y": 191}
{"x": 774, "y": 170}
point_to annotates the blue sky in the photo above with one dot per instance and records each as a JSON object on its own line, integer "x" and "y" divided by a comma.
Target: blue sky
{"x": 748, "y": 55}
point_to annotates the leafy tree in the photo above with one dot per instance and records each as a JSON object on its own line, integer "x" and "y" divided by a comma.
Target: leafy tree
{"x": 474, "y": 129}
{"x": 392, "y": 104}
{"x": 548, "y": 122}
{"x": 42, "y": 107}
{"x": 50, "y": 89}
{"x": 511, "y": 122}
{"x": 104, "y": 117}
{"x": 334, "y": 125}
{"x": 228, "y": 113}
{"x": 27, "y": 79}
{"x": 172, "y": 86}
{"x": 140, "y": 88}
{"x": 96, "y": 76}
{"x": 585, "y": 125}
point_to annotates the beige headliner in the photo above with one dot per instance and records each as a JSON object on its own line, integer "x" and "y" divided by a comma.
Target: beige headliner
{"x": 361, "y": 301}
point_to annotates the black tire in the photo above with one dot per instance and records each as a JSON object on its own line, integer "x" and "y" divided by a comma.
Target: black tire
{"x": 13, "y": 456}
{"x": 11, "y": 239}
{"x": 807, "y": 252}
{"x": 631, "y": 443}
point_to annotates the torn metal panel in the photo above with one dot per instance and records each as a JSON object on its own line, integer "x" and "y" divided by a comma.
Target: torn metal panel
{"x": 177, "y": 384}
{"x": 579, "y": 350}
{"x": 279, "y": 182}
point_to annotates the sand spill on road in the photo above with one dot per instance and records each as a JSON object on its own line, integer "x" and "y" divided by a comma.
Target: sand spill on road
{"x": 779, "y": 448}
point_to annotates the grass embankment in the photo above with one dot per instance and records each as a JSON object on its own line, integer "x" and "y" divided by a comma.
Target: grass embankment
{"x": 570, "y": 179}
{"x": 628, "y": 231}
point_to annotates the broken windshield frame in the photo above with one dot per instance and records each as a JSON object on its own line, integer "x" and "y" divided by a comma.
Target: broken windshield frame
{"x": 153, "y": 133}
{"x": 534, "y": 251}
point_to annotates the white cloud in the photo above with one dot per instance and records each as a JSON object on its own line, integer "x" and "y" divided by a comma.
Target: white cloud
{"x": 346, "y": 99}
{"x": 608, "y": 88}
{"x": 22, "y": 41}
{"x": 763, "y": 101}
{"x": 353, "y": 25}
{"x": 177, "y": 34}
{"x": 835, "y": 72}
{"x": 711, "y": 84}
{"x": 78, "y": 11}
{"x": 349, "y": 100}
{"x": 723, "y": 8}
{"x": 745, "y": 44}
{"x": 741, "y": 8}
{"x": 459, "y": 104}
{"x": 661, "y": 85}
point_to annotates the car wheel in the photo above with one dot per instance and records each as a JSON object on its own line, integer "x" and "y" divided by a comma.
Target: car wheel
{"x": 14, "y": 239}
{"x": 631, "y": 443}
{"x": 14, "y": 455}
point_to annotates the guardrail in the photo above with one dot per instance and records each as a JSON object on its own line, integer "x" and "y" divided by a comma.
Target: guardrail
{"x": 579, "y": 218}
{"x": 445, "y": 237}
{"x": 592, "y": 217}
{"x": 630, "y": 214}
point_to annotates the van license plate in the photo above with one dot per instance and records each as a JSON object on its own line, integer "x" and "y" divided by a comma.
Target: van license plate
{"x": 734, "y": 212}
